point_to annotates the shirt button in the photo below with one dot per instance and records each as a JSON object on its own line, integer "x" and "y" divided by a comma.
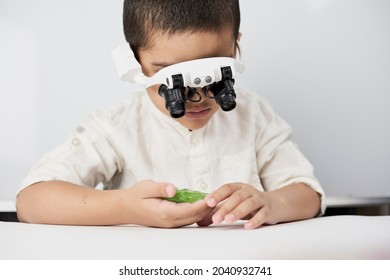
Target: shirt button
{"x": 80, "y": 129}
{"x": 76, "y": 142}
{"x": 194, "y": 141}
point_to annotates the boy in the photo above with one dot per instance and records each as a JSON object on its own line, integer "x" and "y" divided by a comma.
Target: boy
{"x": 243, "y": 158}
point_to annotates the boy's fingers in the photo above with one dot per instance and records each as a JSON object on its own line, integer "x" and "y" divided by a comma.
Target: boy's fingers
{"x": 243, "y": 209}
{"x": 151, "y": 189}
{"x": 169, "y": 190}
{"x": 189, "y": 213}
{"x": 239, "y": 201}
{"x": 256, "y": 221}
{"x": 221, "y": 194}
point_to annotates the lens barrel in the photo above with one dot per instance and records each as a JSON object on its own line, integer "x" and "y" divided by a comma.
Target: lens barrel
{"x": 174, "y": 100}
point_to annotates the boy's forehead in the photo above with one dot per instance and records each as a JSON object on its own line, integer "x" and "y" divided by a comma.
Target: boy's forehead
{"x": 167, "y": 49}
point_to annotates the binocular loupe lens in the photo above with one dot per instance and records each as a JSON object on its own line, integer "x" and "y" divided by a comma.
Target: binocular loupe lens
{"x": 224, "y": 94}
{"x": 174, "y": 100}
{"x": 227, "y": 97}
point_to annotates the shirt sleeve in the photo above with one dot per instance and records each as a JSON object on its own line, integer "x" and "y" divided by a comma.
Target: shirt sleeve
{"x": 87, "y": 158}
{"x": 280, "y": 160}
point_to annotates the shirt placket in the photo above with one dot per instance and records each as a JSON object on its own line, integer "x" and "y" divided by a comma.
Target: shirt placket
{"x": 199, "y": 163}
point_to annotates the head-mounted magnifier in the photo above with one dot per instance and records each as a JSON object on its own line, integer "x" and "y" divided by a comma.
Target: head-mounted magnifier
{"x": 214, "y": 74}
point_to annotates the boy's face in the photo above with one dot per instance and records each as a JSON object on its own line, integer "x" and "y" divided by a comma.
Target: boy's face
{"x": 167, "y": 50}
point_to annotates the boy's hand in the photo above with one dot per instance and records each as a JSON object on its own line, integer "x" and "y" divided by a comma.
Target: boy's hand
{"x": 148, "y": 207}
{"x": 241, "y": 201}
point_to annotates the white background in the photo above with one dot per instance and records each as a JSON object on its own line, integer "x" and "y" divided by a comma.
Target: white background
{"x": 323, "y": 64}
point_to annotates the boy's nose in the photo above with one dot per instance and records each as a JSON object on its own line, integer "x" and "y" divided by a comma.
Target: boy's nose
{"x": 194, "y": 94}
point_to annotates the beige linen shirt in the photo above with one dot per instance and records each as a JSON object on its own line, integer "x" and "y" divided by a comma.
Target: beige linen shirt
{"x": 135, "y": 141}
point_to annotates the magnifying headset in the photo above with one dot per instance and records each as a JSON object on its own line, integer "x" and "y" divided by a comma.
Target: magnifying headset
{"x": 180, "y": 82}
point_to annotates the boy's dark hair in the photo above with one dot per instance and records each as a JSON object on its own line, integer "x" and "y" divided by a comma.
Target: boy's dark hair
{"x": 144, "y": 18}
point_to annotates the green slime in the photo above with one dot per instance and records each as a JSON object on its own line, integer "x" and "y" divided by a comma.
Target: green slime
{"x": 186, "y": 195}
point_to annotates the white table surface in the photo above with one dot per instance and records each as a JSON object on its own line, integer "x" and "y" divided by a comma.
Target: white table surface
{"x": 335, "y": 237}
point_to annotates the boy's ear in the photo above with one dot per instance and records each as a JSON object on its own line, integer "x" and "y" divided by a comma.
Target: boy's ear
{"x": 237, "y": 51}
{"x": 239, "y": 36}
